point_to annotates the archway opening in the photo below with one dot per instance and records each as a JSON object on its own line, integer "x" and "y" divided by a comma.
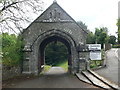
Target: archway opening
{"x": 56, "y": 55}
{"x": 55, "y": 51}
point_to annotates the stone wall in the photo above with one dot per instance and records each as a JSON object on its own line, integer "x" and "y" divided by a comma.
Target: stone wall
{"x": 9, "y": 72}
{"x": 53, "y": 24}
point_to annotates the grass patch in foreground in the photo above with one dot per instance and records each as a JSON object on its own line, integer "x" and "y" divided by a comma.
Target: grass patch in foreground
{"x": 64, "y": 65}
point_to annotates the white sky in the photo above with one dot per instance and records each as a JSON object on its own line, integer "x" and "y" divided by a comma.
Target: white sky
{"x": 94, "y": 13}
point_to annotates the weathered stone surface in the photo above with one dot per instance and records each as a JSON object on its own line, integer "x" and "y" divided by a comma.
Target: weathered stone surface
{"x": 10, "y": 72}
{"x": 54, "y": 24}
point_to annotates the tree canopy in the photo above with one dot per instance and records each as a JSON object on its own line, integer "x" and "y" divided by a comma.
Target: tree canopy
{"x": 11, "y": 49}
{"x": 82, "y": 25}
{"x": 112, "y": 39}
{"x": 55, "y": 52}
{"x": 100, "y": 37}
{"x": 90, "y": 38}
{"x": 118, "y": 24}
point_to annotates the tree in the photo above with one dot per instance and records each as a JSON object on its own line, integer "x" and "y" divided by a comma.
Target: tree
{"x": 101, "y": 35}
{"x": 15, "y": 14}
{"x": 82, "y": 25}
{"x": 112, "y": 40}
{"x": 118, "y": 24}
{"x": 55, "y": 52}
{"x": 90, "y": 38}
{"x": 11, "y": 49}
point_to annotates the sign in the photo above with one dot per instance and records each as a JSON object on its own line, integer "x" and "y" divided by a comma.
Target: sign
{"x": 95, "y": 55}
{"x": 94, "y": 47}
{"x": 95, "y": 51}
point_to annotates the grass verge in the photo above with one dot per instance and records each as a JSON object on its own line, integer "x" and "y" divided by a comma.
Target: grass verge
{"x": 46, "y": 68}
{"x": 64, "y": 65}
{"x": 97, "y": 63}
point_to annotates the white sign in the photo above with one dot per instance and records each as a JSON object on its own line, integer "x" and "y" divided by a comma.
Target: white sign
{"x": 94, "y": 47}
{"x": 95, "y": 55}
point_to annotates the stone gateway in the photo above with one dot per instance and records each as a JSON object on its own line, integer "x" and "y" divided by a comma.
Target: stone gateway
{"x": 54, "y": 24}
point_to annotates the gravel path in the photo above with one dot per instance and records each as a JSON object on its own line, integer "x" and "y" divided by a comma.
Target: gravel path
{"x": 56, "y": 77}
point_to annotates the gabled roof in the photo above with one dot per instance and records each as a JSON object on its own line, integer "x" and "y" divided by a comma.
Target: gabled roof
{"x": 53, "y": 8}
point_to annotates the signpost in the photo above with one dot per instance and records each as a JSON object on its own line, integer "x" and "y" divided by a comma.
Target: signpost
{"x": 94, "y": 47}
{"x": 95, "y": 51}
{"x": 95, "y": 55}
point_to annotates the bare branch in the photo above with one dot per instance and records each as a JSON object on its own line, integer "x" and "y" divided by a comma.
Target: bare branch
{"x": 10, "y": 27}
{"x": 18, "y": 12}
{"x": 5, "y": 7}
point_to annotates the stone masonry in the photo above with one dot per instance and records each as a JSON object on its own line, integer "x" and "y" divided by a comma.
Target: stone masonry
{"x": 54, "y": 24}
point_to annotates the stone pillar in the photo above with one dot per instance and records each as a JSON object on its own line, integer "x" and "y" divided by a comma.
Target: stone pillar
{"x": 76, "y": 66}
{"x": 82, "y": 64}
{"x": 83, "y": 57}
{"x": 26, "y": 62}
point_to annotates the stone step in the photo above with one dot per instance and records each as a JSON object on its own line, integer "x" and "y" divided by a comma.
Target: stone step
{"x": 108, "y": 82}
{"x": 94, "y": 80}
{"x": 82, "y": 78}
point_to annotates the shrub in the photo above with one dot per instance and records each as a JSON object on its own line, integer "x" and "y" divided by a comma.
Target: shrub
{"x": 116, "y": 46}
{"x": 11, "y": 49}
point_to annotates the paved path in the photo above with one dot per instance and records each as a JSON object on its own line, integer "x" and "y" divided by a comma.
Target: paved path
{"x": 110, "y": 72}
{"x": 55, "y": 71}
{"x": 56, "y": 77}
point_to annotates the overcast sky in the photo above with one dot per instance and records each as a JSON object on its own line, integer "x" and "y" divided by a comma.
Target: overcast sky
{"x": 94, "y": 13}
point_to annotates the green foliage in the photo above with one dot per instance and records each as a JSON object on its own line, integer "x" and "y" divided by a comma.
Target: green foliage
{"x": 55, "y": 52}
{"x": 90, "y": 38}
{"x": 95, "y": 63}
{"x": 64, "y": 65}
{"x": 101, "y": 35}
{"x": 12, "y": 49}
{"x": 46, "y": 68}
{"x": 112, "y": 40}
{"x": 82, "y": 25}
{"x": 116, "y": 46}
{"x": 102, "y": 38}
{"x": 118, "y": 24}
{"x": 102, "y": 54}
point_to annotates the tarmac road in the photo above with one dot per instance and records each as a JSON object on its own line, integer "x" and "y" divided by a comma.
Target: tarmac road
{"x": 110, "y": 72}
{"x": 56, "y": 77}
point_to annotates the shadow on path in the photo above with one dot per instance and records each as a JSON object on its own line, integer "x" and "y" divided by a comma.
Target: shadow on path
{"x": 56, "y": 77}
